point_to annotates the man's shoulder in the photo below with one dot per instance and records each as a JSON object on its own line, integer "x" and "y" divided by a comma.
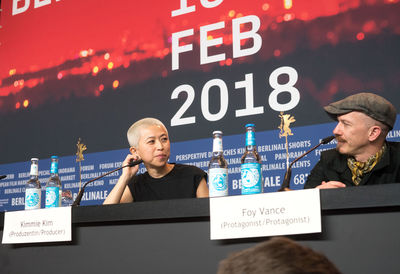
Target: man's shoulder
{"x": 332, "y": 157}
{"x": 329, "y": 153}
{"x": 394, "y": 145}
{"x": 394, "y": 150}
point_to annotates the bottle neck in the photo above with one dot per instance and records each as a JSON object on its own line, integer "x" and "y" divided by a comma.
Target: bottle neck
{"x": 250, "y": 148}
{"x": 34, "y": 177}
{"x": 250, "y": 139}
{"x": 34, "y": 171}
{"x": 54, "y": 174}
{"x": 217, "y": 145}
{"x": 54, "y": 169}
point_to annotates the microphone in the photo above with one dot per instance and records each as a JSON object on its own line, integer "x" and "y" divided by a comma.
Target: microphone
{"x": 134, "y": 163}
{"x": 80, "y": 194}
{"x": 2, "y": 177}
{"x": 288, "y": 174}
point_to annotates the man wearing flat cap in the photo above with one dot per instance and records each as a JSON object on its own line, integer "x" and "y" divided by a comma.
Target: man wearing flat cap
{"x": 362, "y": 155}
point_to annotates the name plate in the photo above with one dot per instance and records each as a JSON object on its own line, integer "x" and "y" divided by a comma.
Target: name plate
{"x": 37, "y": 226}
{"x": 267, "y": 214}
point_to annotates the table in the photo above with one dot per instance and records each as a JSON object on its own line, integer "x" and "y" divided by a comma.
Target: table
{"x": 361, "y": 234}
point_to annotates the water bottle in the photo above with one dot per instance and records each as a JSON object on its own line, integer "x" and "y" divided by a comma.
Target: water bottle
{"x": 33, "y": 190}
{"x": 251, "y": 165}
{"x": 218, "y": 169}
{"x": 53, "y": 186}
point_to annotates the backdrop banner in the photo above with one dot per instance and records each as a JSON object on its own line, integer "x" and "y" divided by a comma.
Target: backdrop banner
{"x": 75, "y": 69}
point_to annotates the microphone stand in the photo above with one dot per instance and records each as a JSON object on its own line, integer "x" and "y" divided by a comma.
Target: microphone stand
{"x": 286, "y": 181}
{"x": 80, "y": 194}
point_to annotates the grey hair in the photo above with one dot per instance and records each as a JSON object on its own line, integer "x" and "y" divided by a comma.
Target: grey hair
{"x": 134, "y": 133}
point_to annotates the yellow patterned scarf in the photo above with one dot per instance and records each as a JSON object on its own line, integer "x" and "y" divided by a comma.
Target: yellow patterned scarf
{"x": 358, "y": 169}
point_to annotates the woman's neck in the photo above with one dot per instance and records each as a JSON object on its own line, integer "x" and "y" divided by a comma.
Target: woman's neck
{"x": 158, "y": 172}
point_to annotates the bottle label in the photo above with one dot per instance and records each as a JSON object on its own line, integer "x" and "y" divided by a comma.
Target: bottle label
{"x": 218, "y": 182}
{"x": 34, "y": 170}
{"x": 52, "y": 196}
{"x": 54, "y": 167}
{"x": 250, "y": 138}
{"x": 32, "y": 198}
{"x": 251, "y": 178}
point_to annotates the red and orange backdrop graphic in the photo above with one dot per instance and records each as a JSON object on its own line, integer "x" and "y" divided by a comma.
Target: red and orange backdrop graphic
{"x": 89, "y": 69}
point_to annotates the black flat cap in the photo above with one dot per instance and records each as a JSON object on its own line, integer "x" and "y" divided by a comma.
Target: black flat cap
{"x": 375, "y": 106}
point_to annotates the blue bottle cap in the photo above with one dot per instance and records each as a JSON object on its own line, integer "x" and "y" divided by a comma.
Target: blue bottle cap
{"x": 250, "y": 125}
{"x": 54, "y": 157}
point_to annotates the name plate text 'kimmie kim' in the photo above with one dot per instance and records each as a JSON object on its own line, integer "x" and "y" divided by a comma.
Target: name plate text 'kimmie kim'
{"x": 37, "y": 226}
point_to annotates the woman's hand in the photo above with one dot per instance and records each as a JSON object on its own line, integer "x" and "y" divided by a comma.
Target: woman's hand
{"x": 129, "y": 172}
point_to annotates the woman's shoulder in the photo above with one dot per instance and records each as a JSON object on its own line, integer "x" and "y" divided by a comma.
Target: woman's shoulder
{"x": 139, "y": 178}
{"x": 188, "y": 168}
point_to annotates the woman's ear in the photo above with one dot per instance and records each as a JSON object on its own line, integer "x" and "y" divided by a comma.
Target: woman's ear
{"x": 133, "y": 150}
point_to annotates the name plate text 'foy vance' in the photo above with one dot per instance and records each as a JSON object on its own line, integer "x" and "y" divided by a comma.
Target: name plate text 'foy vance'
{"x": 268, "y": 214}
